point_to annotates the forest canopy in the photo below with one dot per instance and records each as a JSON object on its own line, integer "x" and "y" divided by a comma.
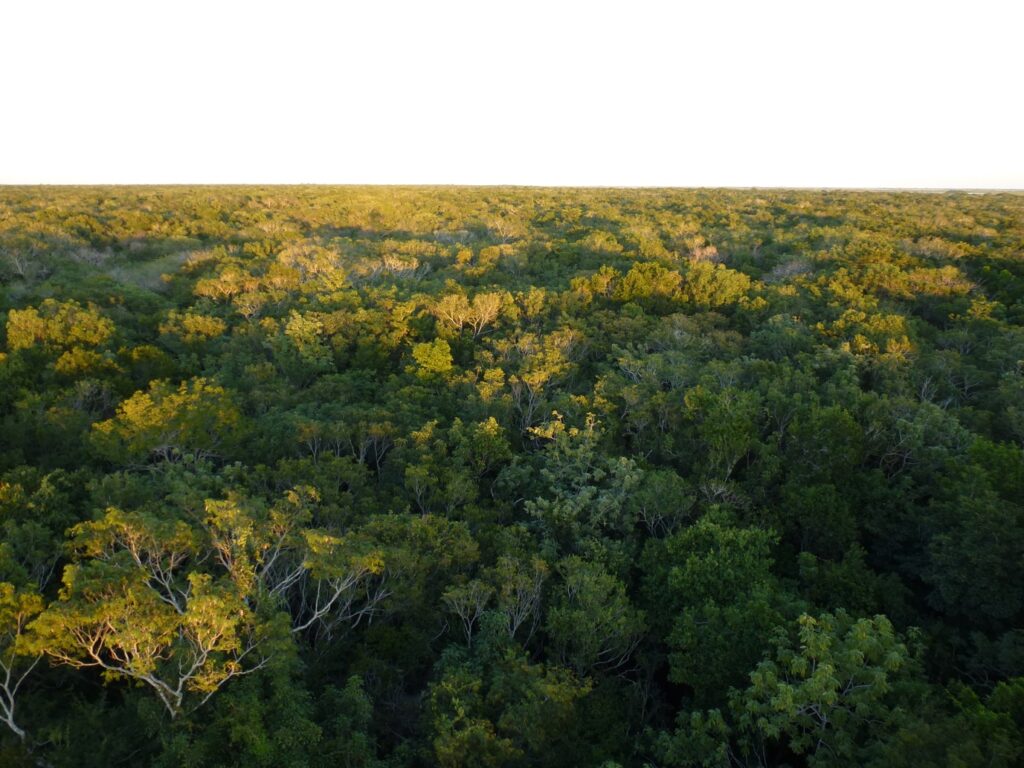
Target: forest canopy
{"x": 394, "y": 477}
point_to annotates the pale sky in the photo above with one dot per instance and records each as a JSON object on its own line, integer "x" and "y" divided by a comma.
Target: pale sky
{"x": 824, "y": 93}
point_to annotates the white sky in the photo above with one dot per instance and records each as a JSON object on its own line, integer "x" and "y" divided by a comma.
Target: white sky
{"x": 712, "y": 93}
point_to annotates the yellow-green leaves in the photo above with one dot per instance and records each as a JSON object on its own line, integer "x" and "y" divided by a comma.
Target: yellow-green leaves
{"x": 337, "y": 557}
{"x": 141, "y": 603}
{"x": 193, "y": 327}
{"x": 433, "y": 358}
{"x": 457, "y": 312}
{"x": 147, "y": 539}
{"x": 57, "y": 325}
{"x": 825, "y": 690}
{"x": 343, "y": 578}
{"x": 323, "y": 578}
{"x": 710, "y": 285}
{"x": 17, "y": 608}
{"x": 193, "y": 421}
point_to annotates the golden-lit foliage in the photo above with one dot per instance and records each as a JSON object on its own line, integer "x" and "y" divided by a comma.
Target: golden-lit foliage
{"x": 169, "y": 423}
{"x": 314, "y": 476}
{"x": 57, "y": 325}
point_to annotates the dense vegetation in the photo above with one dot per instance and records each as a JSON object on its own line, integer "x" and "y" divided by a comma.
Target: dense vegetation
{"x": 509, "y": 477}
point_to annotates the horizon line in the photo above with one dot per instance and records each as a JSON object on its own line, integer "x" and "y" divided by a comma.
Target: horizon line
{"x": 455, "y": 185}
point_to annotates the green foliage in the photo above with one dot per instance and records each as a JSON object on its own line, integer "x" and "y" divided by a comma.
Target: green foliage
{"x": 714, "y": 285}
{"x": 191, "y": 422}
{"x": 583, "y": 492}
{"x": 974, "y": 562}
{"x": 433, "y": 358}
{"x": 318, "y": 476}
{"x": 826, "y": 691}
{"x": 591, "y": 621}
{"x": 57, "y": 325}
{"x": 132, "y": 609}
{"x": 962, "y": 730}
{"x": 713, "y": 586}
{"x": 514, "y": 713}
{"x": 18, "y": 607}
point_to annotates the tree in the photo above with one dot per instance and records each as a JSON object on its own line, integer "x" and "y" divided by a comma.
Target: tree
{"x": 519, "y": 582}
{"x": 710, "y": 589}
{"x": 957, "y": 727}
{"x": 18, "y": 607}
{"x": 584, "y": 492}
{"x": 662, "y": 502}
{"x": 651, "y": 286}
{"x": 434, "y": 358}
{"x": 458, "y": 312}
{"x": 727, "y": 427}
{"x": 185, "y": 643}
{"x": 325, "y": 579}
{"x": 191, "y": 422}
{"x": 506, "y": 712}
{"x": 468, "y": 602}
{"x": 975, "y": 561}
{"x": 57, "y": 326}
{"x": 185, "y": 609}
{"x": 709, "y": 285}
{"x": 826, "y": 691}
{"x": 592, "y": 622}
